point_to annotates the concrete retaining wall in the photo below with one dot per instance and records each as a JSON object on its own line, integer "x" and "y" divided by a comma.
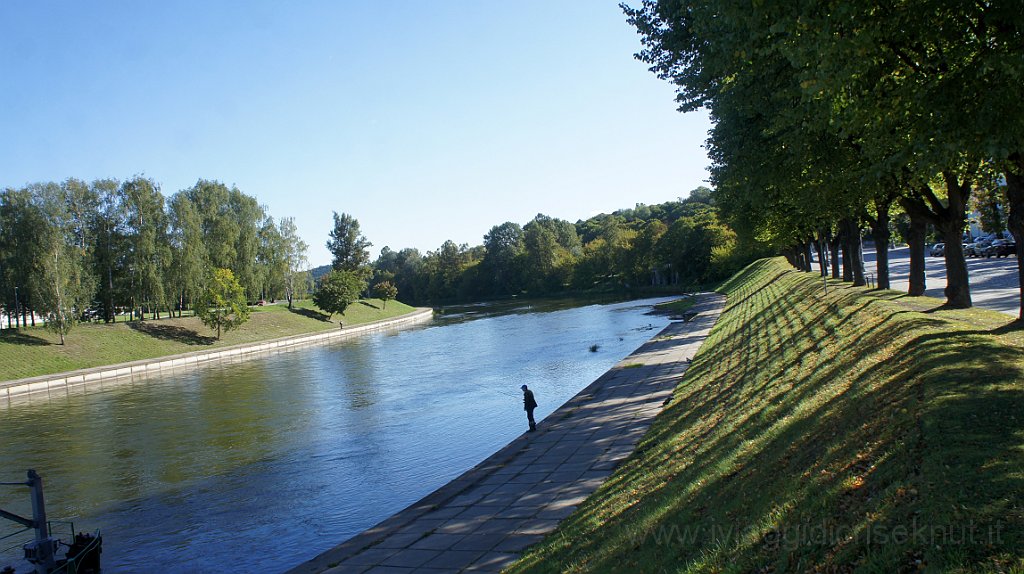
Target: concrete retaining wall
{"x": 64, "y": 384}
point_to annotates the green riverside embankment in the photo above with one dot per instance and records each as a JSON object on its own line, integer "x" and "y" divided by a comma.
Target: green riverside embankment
{"x": 35, "y": 351}
{"x": 853, "y": 431}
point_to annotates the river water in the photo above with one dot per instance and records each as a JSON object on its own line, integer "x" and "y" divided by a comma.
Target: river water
{"x": 263, "y": 464}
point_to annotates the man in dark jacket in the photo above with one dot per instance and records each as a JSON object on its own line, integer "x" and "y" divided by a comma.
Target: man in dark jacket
{"x": 529, "y": 403}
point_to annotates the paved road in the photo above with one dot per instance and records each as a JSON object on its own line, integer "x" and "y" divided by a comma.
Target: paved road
{"x": 994, "y": 282}
{"x": 483, "y": 520}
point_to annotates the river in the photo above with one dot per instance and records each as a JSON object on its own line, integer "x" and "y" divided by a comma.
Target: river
{"x": 263, "y": 464}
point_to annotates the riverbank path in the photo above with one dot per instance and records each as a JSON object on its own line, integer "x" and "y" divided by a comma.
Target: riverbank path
{"x": 483, "y": 520}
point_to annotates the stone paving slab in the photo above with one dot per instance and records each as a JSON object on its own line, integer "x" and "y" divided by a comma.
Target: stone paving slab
{"x": 483, "y": 520}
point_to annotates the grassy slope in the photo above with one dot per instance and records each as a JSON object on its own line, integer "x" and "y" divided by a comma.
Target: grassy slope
{"x": 850, "y": 432}
{"x": 35, "y": 351}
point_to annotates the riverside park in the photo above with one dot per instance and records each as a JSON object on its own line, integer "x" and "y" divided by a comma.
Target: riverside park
{"x": 770, "y": 423}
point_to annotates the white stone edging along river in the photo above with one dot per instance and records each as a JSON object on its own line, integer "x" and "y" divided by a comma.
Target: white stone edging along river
{"x": 63, "y": 384}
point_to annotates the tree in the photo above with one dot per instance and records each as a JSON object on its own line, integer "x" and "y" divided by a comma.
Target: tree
{"x": 989, "y": 200}
{"x": 23, "y": 241}
{"x": 295, "y": 248}
{"x": 189, "y": 259}
{"x": 272, "y": 264}
{"x": 64, "y": 286}
{"x": 347, "y": 245}
{"x": 109, "y": 249}
{"x": 222, "y": 305}
{"x": 505, "y": 246}
{"x": 337, "y": 290}
{"x": 385, "y": 291}
{"x": 148, "y": 249}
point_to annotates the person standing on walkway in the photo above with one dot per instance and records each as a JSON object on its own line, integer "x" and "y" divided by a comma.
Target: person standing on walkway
{"x": 529, "y": 403}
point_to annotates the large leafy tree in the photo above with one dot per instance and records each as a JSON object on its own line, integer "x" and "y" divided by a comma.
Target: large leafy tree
{"x": 222, "y": 306}
{"x": 189, "y": 260}
{"x": 272, "y": 265}
{"x": 337, "y": 290}
{"x": 109, "y": 249}
{"x": 347, "y": 244}
{"x": 23, "y": 244}
{"x": 148, "y": 250}
{"x": 294, "y": 256}
{"x": 61, "y": 282}
{"x": 212, "y": 200}
{"x": 505, "y": 246}
{"x": 911, "y": 95}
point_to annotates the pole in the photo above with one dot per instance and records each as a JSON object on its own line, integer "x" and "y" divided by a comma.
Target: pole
{"x": 35, "y": 482}
{"x": 43, "y": 547}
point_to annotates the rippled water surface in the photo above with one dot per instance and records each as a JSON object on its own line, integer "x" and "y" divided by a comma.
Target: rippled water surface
{"x": 273, "y": 460}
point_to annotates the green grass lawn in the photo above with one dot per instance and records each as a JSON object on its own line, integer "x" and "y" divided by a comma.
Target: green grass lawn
{"x": 861, "y": 431}
{"x": 36, "y": 351}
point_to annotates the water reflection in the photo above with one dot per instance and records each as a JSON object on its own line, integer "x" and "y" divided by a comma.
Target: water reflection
{"x": 287, "y": 455}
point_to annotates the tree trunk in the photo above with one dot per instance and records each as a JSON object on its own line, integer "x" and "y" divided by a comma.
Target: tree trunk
{"x": 1015, "y": 220}
{"x": 807, "y": 255}
{"x": 880, "y": 233}
{"x": 951, "y": 225}
{"x": 833, "y": 249}
{"x": 819, "y": 246}
{"x": 915, "y": 240}
{"x": 847, "y": 256}
{"x": 949, "y": 218}
{"x": 853, "y": 252}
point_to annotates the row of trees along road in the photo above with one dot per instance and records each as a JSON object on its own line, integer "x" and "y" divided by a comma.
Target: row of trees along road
{"x": 828, "y": 115}
{"x": 678, "y": 243}
{"x": 108, "y": 247}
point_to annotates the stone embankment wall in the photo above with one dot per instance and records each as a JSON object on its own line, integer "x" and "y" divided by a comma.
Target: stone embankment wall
{"x": 63, "y": 384}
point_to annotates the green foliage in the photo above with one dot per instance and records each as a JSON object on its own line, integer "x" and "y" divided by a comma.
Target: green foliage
{"x": 824, "y": 111}
{"x": 293, "y": 255}
{"x": 990, "y": 201}
{"x": 347, "y": 245}
{"x": 504, "y": 258}
{"x": 627, "y": 250}
{"x": 337, "y": 290}
{"x": 137, "y": 252}
{"x": 222, "y": 306}
{"x": 385, "y": 291}
{"x": 65, "y": 286}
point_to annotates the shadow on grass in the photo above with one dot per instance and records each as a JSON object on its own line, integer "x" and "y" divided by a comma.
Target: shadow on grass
{"x": 19, "y": 338}
{"x": 311, "y": 314}
{"x": 809, "y": 430}
{"x": 369, "y": 304}
{"x": 171, "y": 333}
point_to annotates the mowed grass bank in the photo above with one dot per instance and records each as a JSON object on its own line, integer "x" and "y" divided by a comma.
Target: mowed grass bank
{"x": 36, "y": 351}
{"x": 854, "y": 432}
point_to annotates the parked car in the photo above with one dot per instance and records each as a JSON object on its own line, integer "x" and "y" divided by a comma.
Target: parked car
{"x": 978, "y": 248}
{"x": 938, "y": 250}
{"x": 1001, "y": 248}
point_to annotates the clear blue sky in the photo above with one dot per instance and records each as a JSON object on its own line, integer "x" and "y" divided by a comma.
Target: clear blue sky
{"x": 426, "y": 121}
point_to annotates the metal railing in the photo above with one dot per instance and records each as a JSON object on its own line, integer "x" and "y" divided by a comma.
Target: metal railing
{"x": 42, "y": 548}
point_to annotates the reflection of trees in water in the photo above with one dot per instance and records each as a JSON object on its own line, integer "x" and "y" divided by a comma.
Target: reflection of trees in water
{"x": 451, "y": 314}
{"x": 359, "y": 378}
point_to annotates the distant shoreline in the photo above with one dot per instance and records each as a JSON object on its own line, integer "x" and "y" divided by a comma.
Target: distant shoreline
{"x": 76, "y": 381}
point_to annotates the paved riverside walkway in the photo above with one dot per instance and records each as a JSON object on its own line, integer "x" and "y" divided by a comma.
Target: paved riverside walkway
{"x": 484, "y": 519}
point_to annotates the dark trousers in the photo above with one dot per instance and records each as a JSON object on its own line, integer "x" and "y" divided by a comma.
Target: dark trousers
{"x": 529, "y": 417}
